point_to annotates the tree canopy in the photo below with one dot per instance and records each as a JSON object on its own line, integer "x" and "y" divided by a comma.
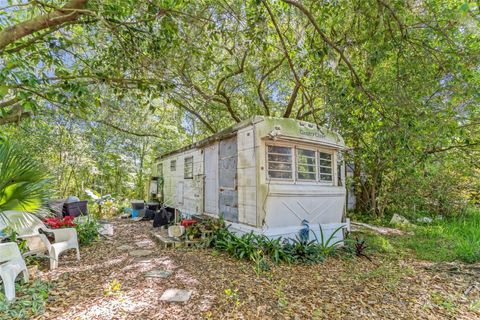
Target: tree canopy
{"x": 108, "y": 81}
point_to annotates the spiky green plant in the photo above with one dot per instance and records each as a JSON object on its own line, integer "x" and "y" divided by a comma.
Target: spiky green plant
{"x": 23, "y": 181}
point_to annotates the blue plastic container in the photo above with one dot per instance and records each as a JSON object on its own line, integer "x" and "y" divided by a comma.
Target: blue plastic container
{"x": 128, "y": 210}
{"x": 135, "y": 212}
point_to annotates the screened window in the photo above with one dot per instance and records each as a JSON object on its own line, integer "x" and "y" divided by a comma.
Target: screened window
{"x": 173, "y": 165}
{"x": 279, "y": 162}
{"x": 306, "y": 164}
{"x": 325, "y": 172}
{"x": 188, "y": 168}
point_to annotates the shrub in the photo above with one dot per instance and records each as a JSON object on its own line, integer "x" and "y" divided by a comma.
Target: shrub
{"x": 30, "y": 302}
{"x": 260, "y": 249}
{"x": 304, "y": 252}
{"x": 87, "y": 230}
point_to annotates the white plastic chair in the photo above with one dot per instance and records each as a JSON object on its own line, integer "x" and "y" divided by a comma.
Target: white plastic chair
{"x": 11, "y": 265}
{"x": 27, "y": 226}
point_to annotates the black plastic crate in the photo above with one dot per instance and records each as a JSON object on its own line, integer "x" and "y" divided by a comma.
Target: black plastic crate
{"x": 75, "y": 209}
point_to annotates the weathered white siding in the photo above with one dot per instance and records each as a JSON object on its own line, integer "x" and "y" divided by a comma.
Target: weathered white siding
{"x": 247, "y": 177}
{"x": 272, "y": 207}
{"x": 283, "y": 205}
{"x": 184, "y": 194}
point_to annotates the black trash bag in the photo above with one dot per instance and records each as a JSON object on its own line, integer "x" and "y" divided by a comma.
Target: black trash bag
{"x": 162, "y": 218}
{"x": 149, "y": 214}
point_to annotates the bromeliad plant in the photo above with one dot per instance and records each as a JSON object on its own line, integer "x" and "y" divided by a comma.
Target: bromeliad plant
{"x": 327, "y": 246}
{"x": 260, "y": 249}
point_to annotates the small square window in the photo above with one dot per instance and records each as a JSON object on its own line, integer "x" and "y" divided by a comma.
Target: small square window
{"x": 173, "y": 165}
{"x": 188, "y": 168}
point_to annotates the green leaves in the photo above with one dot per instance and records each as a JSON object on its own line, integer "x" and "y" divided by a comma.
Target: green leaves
{"x": 3, "y": 91}
{"x": 30, "y": 302}
{"x": 23, "y": 182}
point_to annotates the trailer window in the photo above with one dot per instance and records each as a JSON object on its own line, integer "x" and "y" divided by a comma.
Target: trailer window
{"x": 173, "y": 165}
{"x": 188, "y": 168}
{"x": 306, "y": 164}
{"x": 279, "y": 162}
{"x": 325, "y": 172}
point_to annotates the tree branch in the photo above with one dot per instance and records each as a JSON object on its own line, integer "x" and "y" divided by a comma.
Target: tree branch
{"x": 329, "y": 42}
{"x": 282, "y": 42}
{"x": 15, "y": 115}
{"x": 69, "y": 12}
{"x": 460, "y": 146}
{"x": 196, "y": 114}
{"x": 291, "y": 101}
{"x": 138, "y": 134}
{"x": 262, "y": 79}
{"x": 41, "y": 36}
{"x": 8, "y": 103}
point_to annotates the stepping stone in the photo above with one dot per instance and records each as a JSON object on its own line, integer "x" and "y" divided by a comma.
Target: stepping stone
{"x": 125, "y": 247}
{"x": 144, "y": 243}
{"x": 140, "y": 253}
{"x": 106, "y": 230}
{"x": 176, "y": 295}
{"x": 158, "y": 273}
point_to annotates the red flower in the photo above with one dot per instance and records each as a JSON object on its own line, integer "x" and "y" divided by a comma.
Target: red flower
{"x": 56, "y": 223}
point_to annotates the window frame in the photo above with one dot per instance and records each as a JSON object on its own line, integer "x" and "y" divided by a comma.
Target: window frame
{"x": 185, "y": 167}
{"x": 294, "y": 172}
{"x": 297, "y": 148}
{"x": 173, "y": 165}
{"x": 320, "y": 166}
{"x": 292, "y": 164}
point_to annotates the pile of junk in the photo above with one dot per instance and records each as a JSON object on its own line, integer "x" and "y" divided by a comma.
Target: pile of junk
{"x": 146, "y": 211}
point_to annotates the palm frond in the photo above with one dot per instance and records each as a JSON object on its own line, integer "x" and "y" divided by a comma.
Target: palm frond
{"x": 23, "y": 182}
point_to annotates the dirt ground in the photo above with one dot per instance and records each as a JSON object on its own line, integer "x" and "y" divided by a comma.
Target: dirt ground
{"x": 110, "y": 283}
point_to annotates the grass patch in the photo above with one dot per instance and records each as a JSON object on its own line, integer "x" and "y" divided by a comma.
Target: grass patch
{"x": 450, "y": 239}
{"x": 446, "y": 240}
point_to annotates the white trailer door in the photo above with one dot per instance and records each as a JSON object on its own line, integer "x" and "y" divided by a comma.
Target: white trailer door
{"x": 227, "y": 166}
{"x": 211, "y": 179}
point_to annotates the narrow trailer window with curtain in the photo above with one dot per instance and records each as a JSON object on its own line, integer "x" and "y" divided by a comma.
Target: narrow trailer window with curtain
{"x": 188, "y": 168}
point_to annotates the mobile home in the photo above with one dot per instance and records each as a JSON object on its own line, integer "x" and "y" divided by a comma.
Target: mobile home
{"x": 268, "y": 175}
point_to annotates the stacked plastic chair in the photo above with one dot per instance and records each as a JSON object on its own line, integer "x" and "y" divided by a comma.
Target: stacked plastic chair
{"x": 28, "y": 227}
{"x": 11, "y": 265}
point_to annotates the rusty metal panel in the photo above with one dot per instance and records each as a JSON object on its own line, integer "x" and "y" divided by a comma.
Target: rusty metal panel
{"x": 227, "y": 166}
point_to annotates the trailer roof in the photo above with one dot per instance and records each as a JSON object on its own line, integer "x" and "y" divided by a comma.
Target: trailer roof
{"x": 228, "y": 132}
